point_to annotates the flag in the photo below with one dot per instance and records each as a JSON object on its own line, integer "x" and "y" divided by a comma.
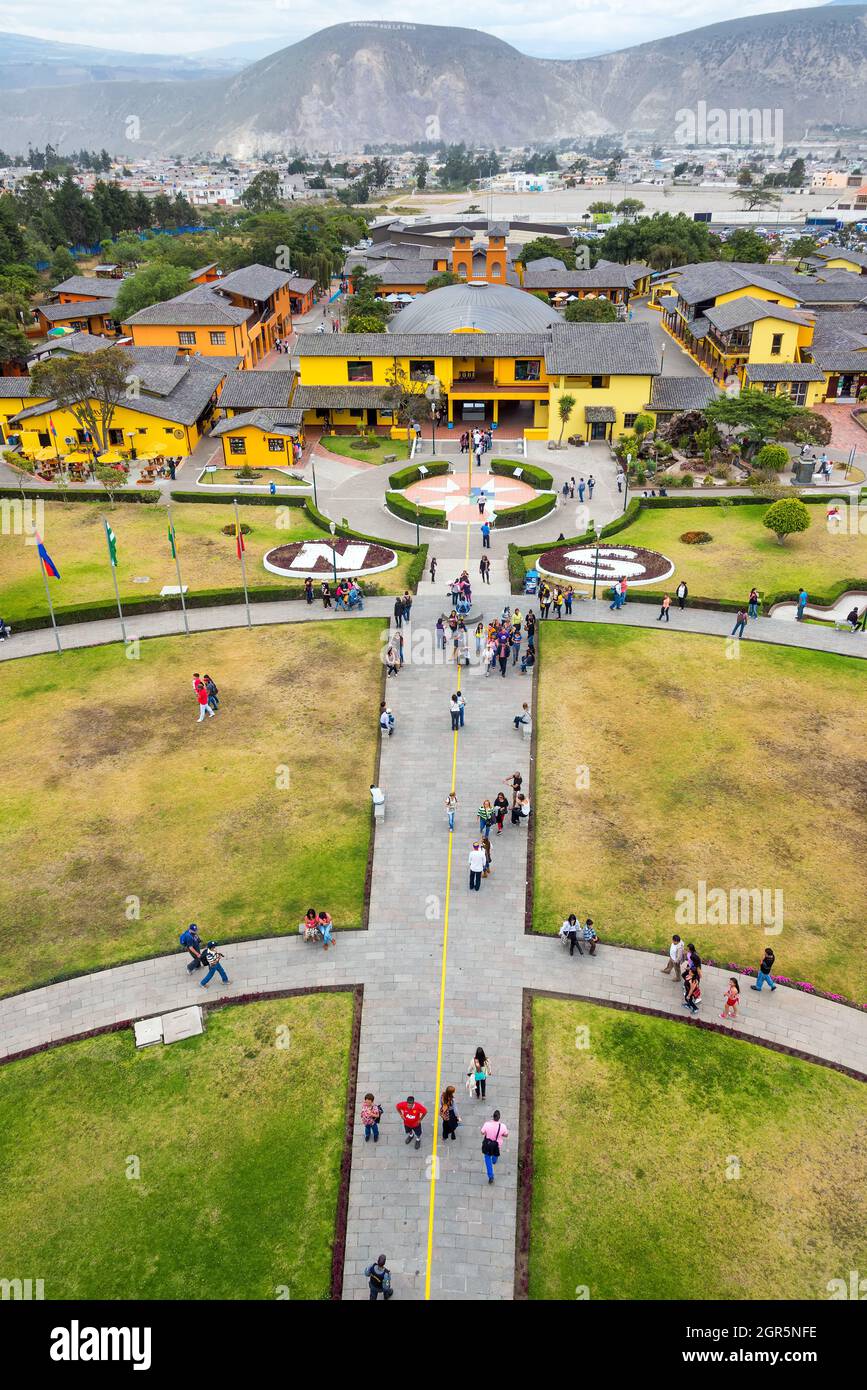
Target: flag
{"x": 51, "y": 427}
{"x": 111, "y": 538}
{"x": 239, "y": 539}
{"x": 50, "y": 567}
{"x": 172, "y": 545}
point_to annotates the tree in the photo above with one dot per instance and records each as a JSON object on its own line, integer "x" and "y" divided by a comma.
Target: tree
{"x": 801, "y": 248}
{"x": 629, "y": 207}
{"x": 365, "y": 323}
{"x": 89, "y": 387}
{"x": 546, "y": 246}
{"x": 262, "y": 192}
{"x": 591, "y": 311}
{"x": 441, "y": 279}
{"x": 62, "y": 265}
{"x": 643, "y": 424}
{"x": 759, "y": 416}
{"x": 601, "y": 206}
{"x": 786, "y": 517}
{"x": 565, "y": 405}
{"x": 153, "y": 284}
{"x": 797, "y": 173}
{"x": 746, "y": 245}
{"x": 406, "y": 398}
{"x": 745, "y": 178}
{"x": 14, "y": 346}
{"x": 420, "y": 172}
{"x": 111, "y": 477}
{"x": 758, "y": 198}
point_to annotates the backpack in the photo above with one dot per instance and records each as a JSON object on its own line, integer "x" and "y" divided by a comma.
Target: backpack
{"x": 186, "y": 938}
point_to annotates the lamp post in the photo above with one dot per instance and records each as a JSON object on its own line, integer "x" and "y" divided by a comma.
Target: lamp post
{"x": 313, "y": 466}
{"x": 626, "y": 479}
{"x": 417, "y": 533}
{"x": 433, "y": 392}
{"x": 595, "y": 563}
{"x": 333, "y": 528}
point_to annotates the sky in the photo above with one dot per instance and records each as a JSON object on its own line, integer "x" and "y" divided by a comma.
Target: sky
{"x": 543, "y": 28}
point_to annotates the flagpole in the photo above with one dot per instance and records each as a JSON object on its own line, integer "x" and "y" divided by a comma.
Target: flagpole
{"x": 178, "y": 568}
{"x": 240, "y": 546}
{"x": 50, "y": 604}
{"x": 116, "y": 589}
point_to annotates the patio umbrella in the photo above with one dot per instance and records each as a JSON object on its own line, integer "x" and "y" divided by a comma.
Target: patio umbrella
{"x": 111, "y": 456}
{"x": 46, "y": 456}
{"x": 78, "y": 456}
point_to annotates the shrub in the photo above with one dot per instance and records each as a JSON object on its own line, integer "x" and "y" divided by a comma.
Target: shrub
{"x": 530, "y": 473}
{"x": 517, "y": 569}
{"x": 687, "y": 479}
{"x": 407, "y": 511}
{"x": 772, "y": 457}
{"x": 80, "y": 494}
{"x": 786, "y": 517}
{"x": 402, "y": 477}
{"x": 252, "y": 499}
{"x": 696, "y": 537}
{"x": 230, "y": 529}
{"x": 247, "y": 473}
{"x": 524, "y": 512}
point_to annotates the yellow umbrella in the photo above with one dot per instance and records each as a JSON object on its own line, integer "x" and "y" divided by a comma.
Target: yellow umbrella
{"x": 78, "y": 456}
{"x": 146, "y": 455}
{"x": 111, "y": 456}
{"x": 46, "y": 456}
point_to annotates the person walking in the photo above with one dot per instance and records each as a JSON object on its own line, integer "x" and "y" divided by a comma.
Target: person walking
{"x": 740, "y": 623}
{"x": 477, "y": 866}
{"x": 486, "y": 846}
{"x": 515, "y": 782}
{"x": 691, "y": 981}
{"x": 308, "y": 589}
{"x": 731, "y": 999}
{"x": 485, "y": 569}
{"x": 764, "y": 976}
{"x": 675, "y": 958}
{"x": 568, "y": 597}
{"x": 478, "y": 1072}
{"x": 753, "y": 603}
{"x": 211, "y": 957}
{"x": 192, "y": 943}
{"x": 572, "y": 488}
{"x": 213, "y": 692}
{"x": 802, "y": 602}
{"x": 462, "y": 705}
{"x": 326, "y": 594}
{"x": 433, "y": 569}
{"x": 202, "y": 696}
{"x": 515, "y": 644}
{"x": 544, "y": 600}
{"x": 591, "y": 483}
{"x": 379, "y": 1280}
{"x": 398, "y": 612}
{"x": 486, "y": 535}
{"x": 663, "y": 612}
{"x": 448, "y": 1114}
{"x": 412, "y": 1112}
{"x": 620, "y": 480}
{"x": 581, "y": 486}
{"x": 451, "y": 808}
{"x": 493, "y": 1134}
{"x": 486, "y": 817}
{"x": 503, "y": 651}
{"x": 371, "y": 1114}
{"x": 682, "y": 593}
{"x": 407, "y": 605}
{"x": 530, "y": 624}
{"x": 455, "y": 712}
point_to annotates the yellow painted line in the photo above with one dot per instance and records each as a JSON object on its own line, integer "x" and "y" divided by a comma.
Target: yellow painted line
{"x": 442, "y": 1008}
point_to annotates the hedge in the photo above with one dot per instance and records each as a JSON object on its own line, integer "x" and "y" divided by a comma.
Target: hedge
{"x": 412, "y": 473}
{"x": 256, "y": 499}
{"x": 324, "y": 523}
{"x": 536, "y": 547}
{"x": 45, "y": 494}
{"x": 530, "y": 473}
{"x": 517, "y": 569}
{"x": 416, "y": 567}
{"x": 525, "y": 512}
{"x": 407, "y": 511}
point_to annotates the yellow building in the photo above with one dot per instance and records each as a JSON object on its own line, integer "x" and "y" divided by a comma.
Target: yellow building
{"x": 838, "y": 258}
{"x": 242, "y": 314}
{"x": 261, "y": 438}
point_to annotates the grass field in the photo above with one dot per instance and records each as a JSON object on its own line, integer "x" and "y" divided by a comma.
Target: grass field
{"x": 113, "y": 792}
{"x": 673, "y": 1163}
{"x": 228, "y": 477}
{"x": 238, "y": 1144}
{"x": 347, "y": 446}
{"x": 743, "y": 552}
{"x": 75, "y": 538}
{"x": 747, "y": 773}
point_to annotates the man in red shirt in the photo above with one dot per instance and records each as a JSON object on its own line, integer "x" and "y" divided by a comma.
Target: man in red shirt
{"x": 412, "y": 1112}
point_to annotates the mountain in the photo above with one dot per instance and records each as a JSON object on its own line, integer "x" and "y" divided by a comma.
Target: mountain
{"x": 27, "y": 62}
{"x": 375, "y": 82}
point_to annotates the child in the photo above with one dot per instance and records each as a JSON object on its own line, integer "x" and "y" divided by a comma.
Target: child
{"x": 326, "y": 927}
{"x": 732, "y": 999}
{"x": 309, "y": 928}
{"x": 371, "y": 1114}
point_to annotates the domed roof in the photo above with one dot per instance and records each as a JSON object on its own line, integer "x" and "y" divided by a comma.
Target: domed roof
{"x": 475, "y": 304}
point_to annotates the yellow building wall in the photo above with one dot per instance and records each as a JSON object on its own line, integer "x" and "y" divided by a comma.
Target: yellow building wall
{"x": 257, "y": 451}
{"x": 334, "y": 371}
{"x": 763, "y": 334}
{"x": 840, "y": 263}
{"x": 628, "y": 395}
{"x": 163, "y": 436}
{"x": 237, "y": 342}
{"x": 758, "y": 292}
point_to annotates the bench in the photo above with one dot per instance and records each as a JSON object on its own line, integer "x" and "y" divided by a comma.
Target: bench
{"x": 389, "y": 458}
{"x": 527, "y": 730}
{"x": 841, "y": 625}
{"x": 379, "y": 810}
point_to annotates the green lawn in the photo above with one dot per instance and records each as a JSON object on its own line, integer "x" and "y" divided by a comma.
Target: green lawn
{"x": 122, "y": 819}
{"x": 673, "y": 1163}
{"x": 74, "y": 536}
{"x": 347, "y": 445}
{"x": 747, "y": 773}
{"x": 224, "y": 477}
{"x": 744, "y": 553}
{"x": 238, "y": 1144}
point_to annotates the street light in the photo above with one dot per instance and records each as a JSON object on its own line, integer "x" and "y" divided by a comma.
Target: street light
{"x": 595, "y": 563}
{"x": 313, "y": 466}
{"x": 626, "y": 479}
{"x": 333, "y": 528}
{"x": 417, "y": 533}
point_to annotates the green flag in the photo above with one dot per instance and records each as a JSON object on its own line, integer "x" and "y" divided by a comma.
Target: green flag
{"x": 111, "y": 538}
{"x": 172, "y": 540}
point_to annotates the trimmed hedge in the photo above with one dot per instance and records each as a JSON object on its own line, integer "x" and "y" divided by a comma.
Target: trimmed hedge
{"x": 412, "y": 473}
{"x": 256, "y": 499}
{"x": 426, "y": 516}
{"x": 324, "y": 523}
{"x": 530, "y": 473}
{"x": 517, "y": 569}
{"x": 525, "y": 512}
{"x": 80, "y": 494}
{"x": 416, "y": 568}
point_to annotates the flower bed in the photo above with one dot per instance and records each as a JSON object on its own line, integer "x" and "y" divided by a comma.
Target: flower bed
{"x": 580, "y": 563}
{"x": 696, "y": 537}
{"x": 803, "y": 985}
{"x": 318, "y": 559}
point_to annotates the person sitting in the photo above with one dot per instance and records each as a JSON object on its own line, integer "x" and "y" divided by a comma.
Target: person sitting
{"x": 309, "y": 928}
{"x": 523, "y": 717}
{"x": 570, "y": 931}
{"x": 326, "y": 927}
{"x": 386, "y": 719}
{"x": 521, "y": 809}
{"x": 591, "y": 940}
{"x": 528, "y": 660}
{"x": 5, "y": 630}
{"x": 853, "y": 619}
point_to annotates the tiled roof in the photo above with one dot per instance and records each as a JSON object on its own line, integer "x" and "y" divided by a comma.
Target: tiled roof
{"x": 736, "y": 313}
{"x": 709, "y": 279}
{"x": 13, "y": 387}
{"x": 202, "y": 270}
{"x": 286, "y": 421}
{"x": 179, "y": 395}
{"x": 545, "y": 263}
{"x": 699, "y": 327}
{"x": 681, "y": 393}
{"x": 341, "y": 397}
{"x": 96, "y": 287}
{"x": 600, "y": 414}
{"x": 87, "y": 309}
{"x": 638, "y": 270}
{"x": 255, "y": 390}
{"x": 75, "y": 342}
{"x": 423, "y": 344}
{"x": 602, "y": 349}
{"x": 784, "y": 371}
{"x": 257, "y": 282}
{"x": 839, "y": 253}
{"x": 615, "y": 277}
{"x": 411, "y": 272}
{"x": 189, "y": 312}
{"x": 840, "y": 341}
{"x": 300, "y": 285}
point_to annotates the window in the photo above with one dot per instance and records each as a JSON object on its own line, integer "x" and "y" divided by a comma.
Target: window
{"x": 596, "y": 382}
{"x": 420, "y": 369}
{"x": 276, "y": 446}
{"x": 187, "y": 339}
{"x": 44, "y": 439}
{"x": 237, "y": 446}
{"x": 776, "y": 344}
{"x": 798, "y": 392}
{"x": 770, "y": 388}
{"x": 218, "y": 339}
{"x": 115, "y": 438}
{"x": 629, "y": 421}
{"x": 527, "y": 371}
{"x": 496, "y": 271}
{"x": 357, "y": 412}
{"x": 359, "y": 371}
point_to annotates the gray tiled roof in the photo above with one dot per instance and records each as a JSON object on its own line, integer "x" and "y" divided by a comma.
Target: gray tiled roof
{"x": 202, "y": 270}
{"x": 87, "y": 309}
{"x": 75, "y": 342}
{"x": 13, "y": 387}
{"x": 545, "y": 263}
{"x": 187, "y": 398}
{"x": 191, "y": 312}
{"x": 602, "y": 349}
{"x": 737, "y": 313}
{"x": 257, "y": 282}
{"x": 699, "y": 327}
{"x": 256, "y": 390}
{"x": 840, "y": 341}
{"x": 681, "y": 393}
{"x": 600, "y": 414}
{"x": 708, "y": 279}
{"x": 424, "y": 344}
{"x": 165, "y": 355}
{"x": 96, "y": 287}
{"x": 410, "y": 272}
{"x": 498, "y": 229}
{"x": 299, "y": 284}
{"x": 341, "y": 397}
{"x": 615, "y": 277}
{"x": 286, "y": 421}
{"x": 464, "y": 231}
{"x": 784, "y": 371}
{"x": 638, "y": 270}
{"x": 833, "y": 253}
